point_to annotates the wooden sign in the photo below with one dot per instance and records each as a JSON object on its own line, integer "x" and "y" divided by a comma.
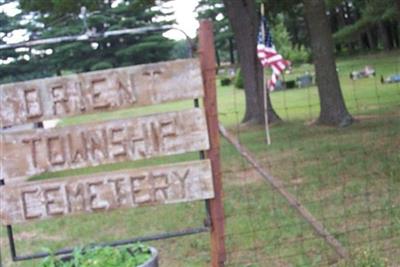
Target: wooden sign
{"x": 106, "y": 191}
{"x": 32, "y": 153}
{"x": 57, "y": 97}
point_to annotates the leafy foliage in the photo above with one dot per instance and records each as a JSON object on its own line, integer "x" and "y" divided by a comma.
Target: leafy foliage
{"x": 52, "y": 18}
{"x": 225, "y": 81}
{"x": 239, "y": 83}
{"x": 181, "y": 49}
{"x": 129, "y": 256}
{"x": 372, "y": 13}
{"x": 288, "y": 27}
{"x": 282, "y": 41}
{"x": 215, "y": 11}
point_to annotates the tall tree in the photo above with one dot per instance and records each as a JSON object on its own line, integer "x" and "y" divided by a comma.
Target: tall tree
{"x": 50, "y": 18}
{"x": 16, "y": 62}
{"x": 215, "y": 11}
{"x": 333, "y": 108}
{"x": 398, "y": 9}
{"x": 244, "y": 20}
{"x": 367, "y": 23}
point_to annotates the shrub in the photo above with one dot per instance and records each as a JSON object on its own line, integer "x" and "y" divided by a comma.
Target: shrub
{"x": 239, "y": 80}
{"x": 300, "y": 55}
{"x": 127, "y": 256}
{"x": 283, "y": 44}
{"x": 225, "y": 81}
{"x": 290, "y": 84}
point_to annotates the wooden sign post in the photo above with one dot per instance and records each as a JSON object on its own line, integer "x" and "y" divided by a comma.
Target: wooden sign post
{"x": 30, "y": 153}
{"x": 208, "y": 70}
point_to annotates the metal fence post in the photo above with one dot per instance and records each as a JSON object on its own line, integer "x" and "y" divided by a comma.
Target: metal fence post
{"x": 208, "y": 70}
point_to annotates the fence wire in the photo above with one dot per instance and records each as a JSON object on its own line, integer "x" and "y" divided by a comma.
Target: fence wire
{"x": 348, "y": 178}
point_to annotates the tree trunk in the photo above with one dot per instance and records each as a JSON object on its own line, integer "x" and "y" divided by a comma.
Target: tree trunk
{"x": 392, "y": 32}
{"x": 395, "y": 31}
{"x": 217, "y": 56}
{"x": 398, "y": 9}
{"x": 231, "y": 51}
{"x": 365, "y": 44}
{"x": 333, "y": 108}
{"x": 244, "y": 21}
{"x": 371, "y": 39}
{"x": 384, "y": 36}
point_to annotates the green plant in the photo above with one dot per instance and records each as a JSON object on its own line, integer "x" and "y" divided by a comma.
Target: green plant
{"x": 239, "y": 79}
{"x": 299, "y": 55}
{"x": 225, "y": 81}
{"x": 283, "y": 44}
{"x": 127, "y": 256}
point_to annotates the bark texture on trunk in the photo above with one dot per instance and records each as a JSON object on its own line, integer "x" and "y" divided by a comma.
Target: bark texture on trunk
{"x": 398, "y": 9}
{"x": 244, "y": 21}
{"x": 371, "y": 38}
{"x": 333, "y": 109}
{"x": 386, "y": 42}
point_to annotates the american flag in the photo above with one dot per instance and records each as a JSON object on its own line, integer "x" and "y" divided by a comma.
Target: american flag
{"x": 268, "y": 56}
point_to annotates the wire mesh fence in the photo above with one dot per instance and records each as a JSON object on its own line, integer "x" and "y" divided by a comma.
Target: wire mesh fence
{"x": 347, "y": 178}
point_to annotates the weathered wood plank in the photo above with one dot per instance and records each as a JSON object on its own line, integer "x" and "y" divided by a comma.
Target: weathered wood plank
{"x": 32, "y": 153}
{"x": 106, "y": 90}
{"x": 102, "y": 192}
{"x": 208, "y": 70}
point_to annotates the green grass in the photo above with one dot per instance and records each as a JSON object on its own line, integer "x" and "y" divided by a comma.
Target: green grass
{"x": 348, "y": 178}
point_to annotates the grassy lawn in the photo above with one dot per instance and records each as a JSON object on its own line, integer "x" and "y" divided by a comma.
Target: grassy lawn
{"x": 348, "y": 178}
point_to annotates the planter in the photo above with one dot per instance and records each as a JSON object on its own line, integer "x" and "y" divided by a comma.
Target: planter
{"x": 153, "y": 261}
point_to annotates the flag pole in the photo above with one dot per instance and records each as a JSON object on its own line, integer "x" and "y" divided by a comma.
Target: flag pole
{"x": 265, "y": 88}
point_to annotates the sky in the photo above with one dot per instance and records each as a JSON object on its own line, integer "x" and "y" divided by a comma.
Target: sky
{"x": 10, "y": 8}
{"x": 184, "y": 15}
